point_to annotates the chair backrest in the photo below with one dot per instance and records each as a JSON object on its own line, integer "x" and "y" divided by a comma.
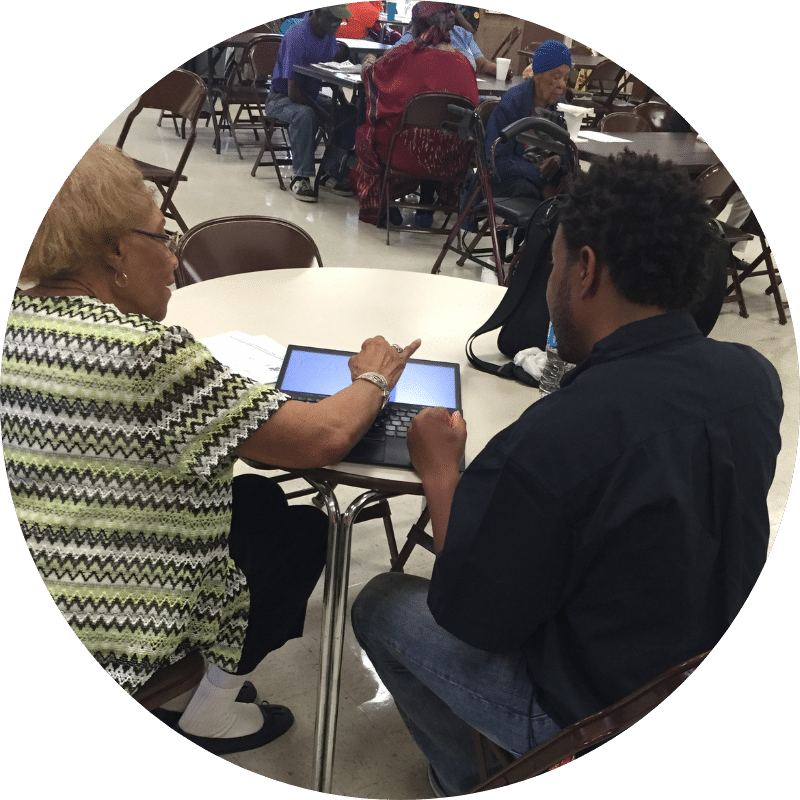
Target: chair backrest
{"x": 429, "y": 110}
{"x": 179, "y": 92}
{"x": 485, "y": 109}
{"x": 604, "y": 78}
{"x": 655, "y": 113}
{"x": 716, "y": 186}
{"x": 622, "y": 122}
{"x": 505, "y": 46}
{"x": 171, "y": 681}
{"x": 594, "y": 730}
{"x": 232, "y": 245}
{"x": 579, "y": 49}
{"x": 261, "y": 55}
{"x": 638, "y": 91}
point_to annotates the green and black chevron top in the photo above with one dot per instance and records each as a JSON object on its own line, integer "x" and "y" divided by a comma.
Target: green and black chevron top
{"x": 119, "y": 435}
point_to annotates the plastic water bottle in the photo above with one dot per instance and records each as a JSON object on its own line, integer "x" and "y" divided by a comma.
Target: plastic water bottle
{"x": 554, "y": 367}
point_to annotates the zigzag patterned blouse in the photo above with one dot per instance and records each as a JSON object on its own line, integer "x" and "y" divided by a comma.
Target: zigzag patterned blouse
{"x": 119, "y": 435}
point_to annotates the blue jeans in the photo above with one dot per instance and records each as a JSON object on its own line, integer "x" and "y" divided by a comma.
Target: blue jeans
{"x": 443, "y": 687}
{"x": 303, "y": 126}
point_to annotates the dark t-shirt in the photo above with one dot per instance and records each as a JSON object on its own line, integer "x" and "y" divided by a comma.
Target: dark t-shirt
{"x": 618, "y": 526}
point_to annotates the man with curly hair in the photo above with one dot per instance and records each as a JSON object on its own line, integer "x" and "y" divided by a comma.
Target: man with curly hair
{"x": 617, "y": 527}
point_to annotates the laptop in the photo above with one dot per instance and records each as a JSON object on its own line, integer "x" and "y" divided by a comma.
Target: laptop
{"x": 312, "y": 373}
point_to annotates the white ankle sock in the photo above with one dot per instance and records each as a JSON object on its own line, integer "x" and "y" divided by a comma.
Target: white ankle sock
{"x": 214, "y": 712}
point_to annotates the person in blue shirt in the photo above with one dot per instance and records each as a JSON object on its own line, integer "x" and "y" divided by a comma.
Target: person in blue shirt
{"x": 461, "y": 39}
{"x": 296, "y": 100}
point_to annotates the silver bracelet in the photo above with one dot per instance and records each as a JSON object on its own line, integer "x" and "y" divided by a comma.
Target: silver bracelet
{"x": 379, "y": 381}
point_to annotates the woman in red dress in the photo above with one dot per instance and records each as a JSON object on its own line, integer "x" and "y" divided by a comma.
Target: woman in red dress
{"x": 426, "y": 64}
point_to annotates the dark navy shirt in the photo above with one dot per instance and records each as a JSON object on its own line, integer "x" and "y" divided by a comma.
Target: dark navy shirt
{"x": 618, "y": 526}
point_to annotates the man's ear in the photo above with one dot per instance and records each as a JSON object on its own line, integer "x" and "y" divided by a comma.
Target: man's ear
{"x": 589, "y": 272}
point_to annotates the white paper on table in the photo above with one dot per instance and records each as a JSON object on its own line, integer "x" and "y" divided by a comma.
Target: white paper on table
{"x": 256, "y": 357}
{"x": 600, "y": 137}
{"x": 340, "y": 66}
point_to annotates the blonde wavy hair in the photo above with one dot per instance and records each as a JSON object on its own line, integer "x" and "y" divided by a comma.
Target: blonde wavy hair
{"x": 101, "y": 200}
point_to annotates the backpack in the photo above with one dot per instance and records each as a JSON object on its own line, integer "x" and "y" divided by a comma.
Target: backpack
{"x": 523, "y": 316}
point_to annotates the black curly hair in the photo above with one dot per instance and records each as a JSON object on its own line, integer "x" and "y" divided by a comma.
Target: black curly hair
{"x": 646, "y": 221}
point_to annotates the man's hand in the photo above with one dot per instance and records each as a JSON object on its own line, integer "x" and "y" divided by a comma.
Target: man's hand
{"x": 436, "y": 442}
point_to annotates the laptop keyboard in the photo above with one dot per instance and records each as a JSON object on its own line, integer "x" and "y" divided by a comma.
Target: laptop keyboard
{"x": 392, "y": 421}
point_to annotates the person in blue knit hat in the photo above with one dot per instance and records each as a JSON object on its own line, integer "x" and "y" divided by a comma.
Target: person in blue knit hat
{"x": 521, "y": 172}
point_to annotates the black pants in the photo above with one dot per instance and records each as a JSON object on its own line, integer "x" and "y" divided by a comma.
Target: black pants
{"x": 281, "y": 551}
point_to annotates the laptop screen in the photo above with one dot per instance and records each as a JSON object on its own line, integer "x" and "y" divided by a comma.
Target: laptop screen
{"x": 325, "y": 372}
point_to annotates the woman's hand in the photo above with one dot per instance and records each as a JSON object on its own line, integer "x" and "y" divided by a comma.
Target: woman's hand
{"x": 377, "y": 355}
{"x": 550, "y": 166}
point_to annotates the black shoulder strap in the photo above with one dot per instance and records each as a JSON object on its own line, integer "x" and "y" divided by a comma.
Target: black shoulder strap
{"x": 538, "y": 233}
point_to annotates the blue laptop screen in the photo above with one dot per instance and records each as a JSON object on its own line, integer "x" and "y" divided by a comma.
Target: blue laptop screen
{"x": 422, "y": 383}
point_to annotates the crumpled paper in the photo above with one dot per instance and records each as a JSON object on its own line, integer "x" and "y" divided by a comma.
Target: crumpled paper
{"x": 532, "y": 361}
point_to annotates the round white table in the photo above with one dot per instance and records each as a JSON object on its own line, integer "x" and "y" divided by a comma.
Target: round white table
{"x": 339, "y": 309}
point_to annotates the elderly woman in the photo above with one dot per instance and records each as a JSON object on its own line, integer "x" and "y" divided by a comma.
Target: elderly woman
{"x": 521, "y": 173}
{"x": 120, "y": 436}
{"x": 429, "y": 63}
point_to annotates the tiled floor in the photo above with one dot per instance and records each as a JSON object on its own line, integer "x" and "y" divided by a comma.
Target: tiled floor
{"x": 375, "y": 756}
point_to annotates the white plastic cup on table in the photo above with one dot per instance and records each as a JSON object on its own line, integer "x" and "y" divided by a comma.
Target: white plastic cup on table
{"x": 391, "y": 10}
{"x": 503, "y": 65}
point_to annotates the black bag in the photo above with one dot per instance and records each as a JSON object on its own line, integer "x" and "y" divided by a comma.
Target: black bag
{"x": 523, "y": 316}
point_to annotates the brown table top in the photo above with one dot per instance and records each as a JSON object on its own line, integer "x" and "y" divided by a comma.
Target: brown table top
{"x": 682, "y": 149}
{"x": 490, "y": 85}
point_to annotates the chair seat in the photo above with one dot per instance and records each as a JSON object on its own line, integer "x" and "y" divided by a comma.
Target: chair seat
{"x": 515, "y": 210}
{"x": 150, "y": 172}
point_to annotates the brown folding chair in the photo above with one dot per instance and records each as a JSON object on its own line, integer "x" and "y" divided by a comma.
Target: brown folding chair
{"x": 752, "y": 226}
{"x": 603, "y": 86}
{"x": 246, "y": 87}
{"x": 261, "y": 55}
{"x": 183, "y": 93}
{"x": 584, "y": 735}
{"x": 624, "y": 122}
{"x": 657, "y": 114}
{"x": 504, "y": 48}
{"x": 717, "y": 187}
{"x": 171, "y": 681}
{"x": 249, "y": 243}
{"x": 426, "y": 110}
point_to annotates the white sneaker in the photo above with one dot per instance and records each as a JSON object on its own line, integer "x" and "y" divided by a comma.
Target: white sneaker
{"x": 301, "y": 188}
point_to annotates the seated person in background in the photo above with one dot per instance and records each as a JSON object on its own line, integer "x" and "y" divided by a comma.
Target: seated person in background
{"x": 461, "y": 39}
{"x": 364, "y": 16}
{"x": 296, "y": 100}
{"x": 429, "y": 63}
{"x": 521, "y": 173}
{"x": 615, "y": 529}
{"x": 120, "y": 437}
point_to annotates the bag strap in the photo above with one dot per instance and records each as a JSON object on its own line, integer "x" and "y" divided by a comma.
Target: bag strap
{"x": 535, "y": 237}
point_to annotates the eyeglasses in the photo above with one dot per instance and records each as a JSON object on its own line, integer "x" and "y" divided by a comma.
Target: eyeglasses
{"x": 170, "y": 239}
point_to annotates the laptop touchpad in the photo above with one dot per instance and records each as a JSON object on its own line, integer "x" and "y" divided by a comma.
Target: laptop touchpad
{"x": 369, "y": 450}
